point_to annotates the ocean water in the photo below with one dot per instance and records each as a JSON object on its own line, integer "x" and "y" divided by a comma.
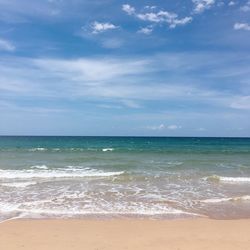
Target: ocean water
{"x": 77, "y": 177}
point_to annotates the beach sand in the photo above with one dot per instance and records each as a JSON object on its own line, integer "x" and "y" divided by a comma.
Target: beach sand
{"x": 121, "y": 234}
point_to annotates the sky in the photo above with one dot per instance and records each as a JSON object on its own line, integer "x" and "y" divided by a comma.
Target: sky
{"x": 111, "y": 67}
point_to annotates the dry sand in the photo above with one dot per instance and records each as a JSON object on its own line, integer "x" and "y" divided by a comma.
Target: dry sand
{"x": 125, "y": 234}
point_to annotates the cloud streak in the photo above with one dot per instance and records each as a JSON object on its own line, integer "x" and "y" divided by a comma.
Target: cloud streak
{"x": 6, "y": 45}
{"x": 162, "y": 127}
{"x": 128, "y": 81}
{"x": 242, "y": 102}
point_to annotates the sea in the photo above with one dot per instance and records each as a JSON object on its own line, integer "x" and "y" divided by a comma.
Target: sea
{"x": 123, "y": 177}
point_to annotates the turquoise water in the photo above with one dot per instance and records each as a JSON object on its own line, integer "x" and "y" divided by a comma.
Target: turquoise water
{"x": 51, "y": 177}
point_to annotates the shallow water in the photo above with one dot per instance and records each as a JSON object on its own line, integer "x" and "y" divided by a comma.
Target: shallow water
{"x": 60, "y": 177}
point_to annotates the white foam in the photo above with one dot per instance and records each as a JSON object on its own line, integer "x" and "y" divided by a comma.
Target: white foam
{"x": 235, "y": 179}
{"x": 174, "y": 163}
{"x": 36, "y": 207}
{"x": 56, "y": 149}
{"x": 39, "y": 167}
{"x": 107, "y": 149}
{"x": 37, "y": 149}
{"x": 230, "y": 199}
{"x": 55, "y": 173}
{"x": 8, "y": 207}
{"x": 19, "y": 184}
{"x": 228, "y": 179}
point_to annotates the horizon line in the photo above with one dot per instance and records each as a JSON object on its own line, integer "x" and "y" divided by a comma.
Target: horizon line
{"x": 138, "y": 136}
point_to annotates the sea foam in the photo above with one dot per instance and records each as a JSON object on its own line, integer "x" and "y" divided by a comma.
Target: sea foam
{"x": 55, "y": 173}
{"x": 37, "y": 149}
{"x": 18, "y": 184}
{"x": 229, "y": 199}
{"x": 107, "y": 149}
{"x": 217, "y": 178}
{"x": 39, "y": 167}
{"x": 36, "y": 209}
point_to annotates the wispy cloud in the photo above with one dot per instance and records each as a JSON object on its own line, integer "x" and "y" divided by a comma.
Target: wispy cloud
{"x": 98, "y": 27}
{"x": 91, "y": 71}
{"x": 14, "y": 11}
{"x": 201, "y": 129}
{"x": 157, "y": 127}
{"x": 157, "y": 17}
{"x": 202, "y": 5}
{"x": 173, "y": 127}
{"x": 112, "y": 43}
{"x": 146, "y": 30}
{"x": 242, "y": 26}
{"x": 4, "y": 105}
{"x": 7, "y": 45}
{"x": 242, "y": 102}
{"x": 129, "y": 82}
{"x": 131, "y": 104}
{"x": 182, "y": 21}
{"x": 245, "y": 7}
{"x": 164, "y": 127}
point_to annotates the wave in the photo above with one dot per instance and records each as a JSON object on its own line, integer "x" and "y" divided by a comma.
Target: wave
{"x": 39, "y": 208}
{"x": 39, "y": 167}
{"x": 37, "y": 149}
{"x": 230, "y": 199}
{"x": 40, "y": 149}
{"x": 107, "y": 149}
{"x": 19, "y": 184}
{"x": 55, "y": 173}
{"x": 216, "y": 178}
{"x": 174, "y": 163}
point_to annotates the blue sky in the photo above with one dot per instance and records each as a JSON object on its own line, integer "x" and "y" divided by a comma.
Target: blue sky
{"x": 111, "y": 67}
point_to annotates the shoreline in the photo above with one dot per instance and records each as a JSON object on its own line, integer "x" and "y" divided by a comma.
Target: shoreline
{"x": 124, "y": 233}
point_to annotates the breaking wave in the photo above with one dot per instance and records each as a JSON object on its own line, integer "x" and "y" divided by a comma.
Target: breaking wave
{"x": 41, "y": 172}
{"x": 216, "y": 178}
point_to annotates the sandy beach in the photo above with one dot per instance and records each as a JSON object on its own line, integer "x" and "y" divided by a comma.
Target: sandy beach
{"x": 121, "y": 234}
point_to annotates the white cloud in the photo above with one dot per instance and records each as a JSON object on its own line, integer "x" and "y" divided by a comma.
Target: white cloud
{"x": 150, "y": 7}
{"x": 108, "y": 106}
{"x": 98, "y": 27}
{"x": 173, "y": 127}
{"x": 131, "y": 104}
{"x": 164, "y": 127}
{"x": 146, "y": 30}
{"x": 158, "y": 17}
{"x": 242, "y": 102}
{"x": 245, "y": 7}
{"x": 242, "y": 26}
{"x": 182, "y": 21}
{"x": 158, "y": 127}
{"x": 128, "y": 9}
{"x": 231, "y": 3}
{"x": 6, "y": 45}
{"x": 202, "y": 5}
